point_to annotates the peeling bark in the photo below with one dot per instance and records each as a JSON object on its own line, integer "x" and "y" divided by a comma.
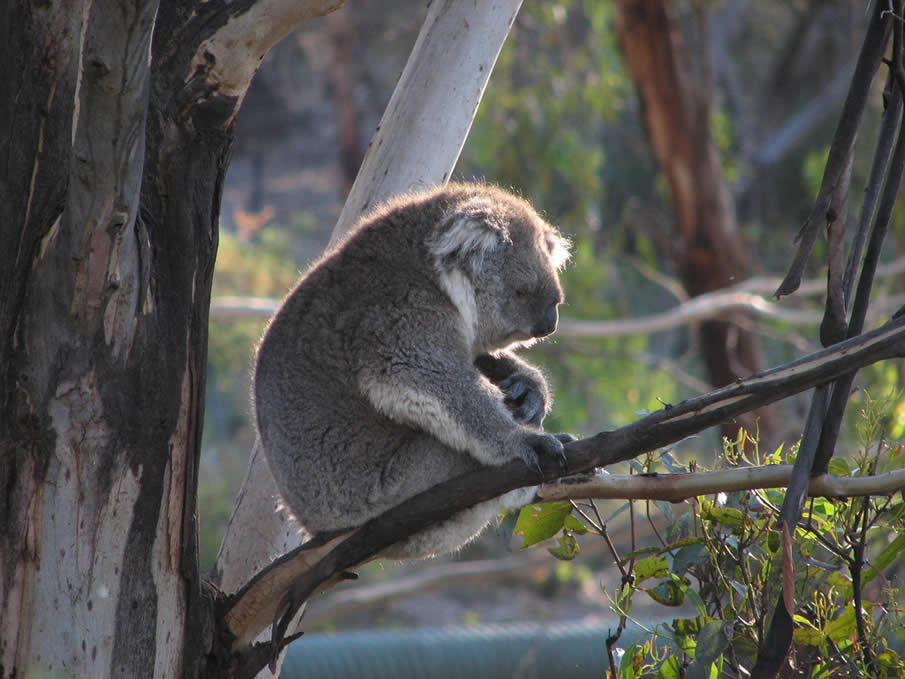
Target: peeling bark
{"x": 111, "y": 166}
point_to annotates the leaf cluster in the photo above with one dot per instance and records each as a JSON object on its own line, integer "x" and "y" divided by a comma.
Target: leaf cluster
{"x": 719, "y": 566}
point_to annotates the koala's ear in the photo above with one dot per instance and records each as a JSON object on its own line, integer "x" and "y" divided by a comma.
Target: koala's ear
{"x": 469, "y": 232}
{"x": 558, "y": 247}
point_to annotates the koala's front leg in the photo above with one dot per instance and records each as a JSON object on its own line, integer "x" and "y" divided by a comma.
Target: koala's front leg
{"x": 525, "y": 392}
{"x": 432, "y": 385}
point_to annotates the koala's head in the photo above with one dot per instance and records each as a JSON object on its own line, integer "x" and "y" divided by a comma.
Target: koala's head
{"x": 499, "y": 261}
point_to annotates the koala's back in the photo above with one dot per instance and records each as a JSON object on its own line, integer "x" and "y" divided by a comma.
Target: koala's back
{"x": 338, "y": 461}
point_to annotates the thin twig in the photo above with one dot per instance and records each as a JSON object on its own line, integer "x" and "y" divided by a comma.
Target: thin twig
{"x": 855, "y": 568}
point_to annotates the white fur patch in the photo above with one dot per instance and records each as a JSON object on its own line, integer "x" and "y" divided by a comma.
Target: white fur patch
{"x": 419, "y": 409}
{"x": 461, "y": 292}
{"x": 470, "y": 233}
{"x": 558, "y": 247}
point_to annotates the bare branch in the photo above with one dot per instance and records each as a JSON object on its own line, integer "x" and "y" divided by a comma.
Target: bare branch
{"x": 256, "y": 605}
{"x": 518, "y": 568}
{"x": 601, "y": 485}
{"x": 230, "y": 57}
{"x": 742, "y": 297}
{"x": 889, "y": 122}
{"x": 842, "y": 388}
{"x": 829, "y": 401}
{"x": 703, "y": 307}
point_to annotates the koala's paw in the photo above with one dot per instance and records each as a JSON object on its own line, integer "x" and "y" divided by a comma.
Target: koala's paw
{"x": 525, "y": 397}
{"x": 565, "y": 438}
{"x": 534, "y": 447}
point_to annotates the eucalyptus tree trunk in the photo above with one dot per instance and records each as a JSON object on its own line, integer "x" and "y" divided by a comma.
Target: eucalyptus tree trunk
{"x": 116, "y": 120}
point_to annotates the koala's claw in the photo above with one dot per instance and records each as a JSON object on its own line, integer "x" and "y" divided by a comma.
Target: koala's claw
{"x": 563, "y": 462}
{"x": 549, "y": 446}
{"x": 535, "y": 463}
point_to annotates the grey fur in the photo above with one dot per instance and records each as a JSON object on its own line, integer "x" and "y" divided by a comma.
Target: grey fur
{"x": 388, "y": 368}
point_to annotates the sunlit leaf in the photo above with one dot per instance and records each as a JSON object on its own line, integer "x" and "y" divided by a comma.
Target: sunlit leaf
{"x": 539, "y": 522}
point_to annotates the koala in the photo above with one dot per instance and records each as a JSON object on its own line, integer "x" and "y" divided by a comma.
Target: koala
{"x": 389, "y": 367}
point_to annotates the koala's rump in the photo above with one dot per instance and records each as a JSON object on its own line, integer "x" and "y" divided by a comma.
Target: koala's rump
{"x": 353, "y": 464}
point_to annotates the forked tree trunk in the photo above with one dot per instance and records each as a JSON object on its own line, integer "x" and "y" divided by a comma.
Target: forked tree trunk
{"x": 112, "y": 157}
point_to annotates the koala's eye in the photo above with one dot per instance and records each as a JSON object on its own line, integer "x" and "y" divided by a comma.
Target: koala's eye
{"x": 524, "y": 293}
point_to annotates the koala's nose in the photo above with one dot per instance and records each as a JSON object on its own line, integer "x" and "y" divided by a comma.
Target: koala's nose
{"x": 548, "y": 323}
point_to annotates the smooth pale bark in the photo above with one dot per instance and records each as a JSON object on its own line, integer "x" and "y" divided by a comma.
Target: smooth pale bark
{"x": 416, "y": 144}
{"x": 424, "y": 127}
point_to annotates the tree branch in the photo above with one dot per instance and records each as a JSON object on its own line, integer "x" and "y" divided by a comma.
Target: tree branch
{"x": 657, "y": 429}
{"x": 743, "y": 297}
{"x": 599, "y": 484}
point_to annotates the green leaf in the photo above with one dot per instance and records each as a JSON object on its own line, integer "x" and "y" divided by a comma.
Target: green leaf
{"x": 668, "y": 593}
{"x": 682, "y": 542}
{"x": 689, "y": 627}
{"x": 575, "y": 525}
{"x": 695, "y": 599}
{"x": 651, "y": 567}
{"x": 838, "y": 467}
{"x": 539, "y": 522}
{"x": 567, "y": 549}
{"x": 712, "y": 641}
{"x": 690, "y": 555}
{"x": 669, "y": 669}
{"x": 726, "y": 516}
{"x": 807, "y": 636}
{"x": 839, "y": 581}
{"x": 884, "y": 558}
{"x": 842, "y": 628}
{"x": 624, "y": 598}
{"x": 745, "y": 646}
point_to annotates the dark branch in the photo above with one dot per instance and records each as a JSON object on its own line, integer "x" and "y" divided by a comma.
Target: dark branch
{"x": 657, "y": 429}
{"x": 825, "y": 421}
{"x": 843, "y": 386}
